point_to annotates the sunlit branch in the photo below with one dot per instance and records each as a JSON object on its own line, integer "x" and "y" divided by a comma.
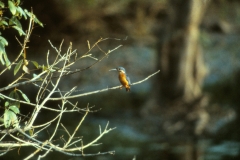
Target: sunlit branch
{"x": 47, "y": 82}
{"x": 102, "y": 90}
{"x": 76, "y": 129}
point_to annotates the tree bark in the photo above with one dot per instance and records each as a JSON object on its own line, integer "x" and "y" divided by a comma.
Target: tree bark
{"x": 180, "y": 57}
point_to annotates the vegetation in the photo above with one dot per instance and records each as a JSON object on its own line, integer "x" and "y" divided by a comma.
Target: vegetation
{"x": 18, "y": 130}
{"x": 12, "y": 22}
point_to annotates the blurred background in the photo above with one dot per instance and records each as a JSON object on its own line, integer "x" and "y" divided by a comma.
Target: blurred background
{"x": 189, "y": 111}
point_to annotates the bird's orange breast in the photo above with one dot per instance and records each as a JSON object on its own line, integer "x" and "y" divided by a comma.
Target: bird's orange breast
{"x": 123, "y": 80}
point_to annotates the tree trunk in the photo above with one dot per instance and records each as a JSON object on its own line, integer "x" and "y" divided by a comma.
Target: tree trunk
{"x": 180, "y": 57}
{"x": 182, "y": 71}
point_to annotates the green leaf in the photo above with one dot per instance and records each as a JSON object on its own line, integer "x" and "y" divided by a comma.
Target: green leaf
{"x": 10, "y": 118}
{"x": 15, "y": 96}
{"x": 1, "y": 4}
{"x": 31, "y": 15}
{"x": 35, "y": 75}
{"x": 20, "y": 31}
{"x": 31, "y": 132}
{"x": 24, "y": 96}
{"x": 1, "y": 120}
{"x": 35, "y": 64}
{"x": 18, "y": 66}
{"x": 15, "y": 21}
{"x": 3, "y": 22}
{"x": 14, "y": 109}
{"x": 21, "y": 12}
{"x": 3, "y": 41}
{"x": 37, "y": 21}
{"x": 2, "y": 51}
{"x": 18, "y": 2}
{"x": 6, "y": 118}
{"x": 6, "y": 104}
{"x": 44, "y": 68}
{"x": 12, "y": 7}
{"x": 28, "y": 13}
{"x": 7, "y": 60}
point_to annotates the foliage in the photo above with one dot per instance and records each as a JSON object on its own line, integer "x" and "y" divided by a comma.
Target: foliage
{"x": 12, "y": 22}
{"x": 46, "y": 80}
{"x": 18, "y": 130}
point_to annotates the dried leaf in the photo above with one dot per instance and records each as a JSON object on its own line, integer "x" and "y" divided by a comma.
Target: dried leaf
{"x": 25, "y": 69}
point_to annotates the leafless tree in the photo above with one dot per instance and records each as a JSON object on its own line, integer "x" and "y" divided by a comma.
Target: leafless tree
{"x": 47, "y": 82}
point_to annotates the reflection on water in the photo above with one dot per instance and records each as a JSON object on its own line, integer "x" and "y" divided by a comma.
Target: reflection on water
{"x": 128, "y": 141}
{"x": 226, "y": 148}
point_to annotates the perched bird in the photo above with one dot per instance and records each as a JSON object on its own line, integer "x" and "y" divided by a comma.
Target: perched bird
{"x": 123, "y": 78}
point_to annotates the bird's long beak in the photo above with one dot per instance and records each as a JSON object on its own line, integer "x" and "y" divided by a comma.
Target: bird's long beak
{"x": 113, "y": 69}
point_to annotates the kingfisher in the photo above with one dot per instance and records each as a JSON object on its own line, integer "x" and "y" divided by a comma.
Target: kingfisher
{"x": 123, "y": 78}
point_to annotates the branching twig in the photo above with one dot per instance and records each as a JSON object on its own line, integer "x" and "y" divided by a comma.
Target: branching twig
{"x": 26, "y": 40}
{"x": 5, "y": 152}
{"x": 102, "y": 90}
{"x": 47, "y": 82}
{"x": 45, "y": 154}
{"x": 37, "y": 79}
{"x": 76, "y": 129}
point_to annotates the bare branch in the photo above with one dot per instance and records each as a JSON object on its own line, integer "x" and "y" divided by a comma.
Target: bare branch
{"x": 37, "y": 78}
{"x": 59, "y": 119}
{"x": 106, "y": 130}
{"x": 65, "y": 130}
{"x": 47, "y": 82}
{"x": 44, "y": 155}
{"x": 102, "y": 90}
{"x": 5, "y": 152}
{"x": 76, "y": 129}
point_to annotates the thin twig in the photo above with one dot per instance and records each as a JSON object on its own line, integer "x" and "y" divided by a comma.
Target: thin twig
{"x": 106, "y": 130}
{"x": 37, "y": 78}
{"x": 76, "y": 129}
{"x": 59, "y": 119}
{"x": 45, "y": 154}
{"x": 65, "y": 130}
{"x": 102, "y": 90}
{"x": 1, "y": 154}
{"x": 26, "y": 40}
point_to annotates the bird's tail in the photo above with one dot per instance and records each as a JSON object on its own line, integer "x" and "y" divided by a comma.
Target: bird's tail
{"x": 128, "y": 88}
